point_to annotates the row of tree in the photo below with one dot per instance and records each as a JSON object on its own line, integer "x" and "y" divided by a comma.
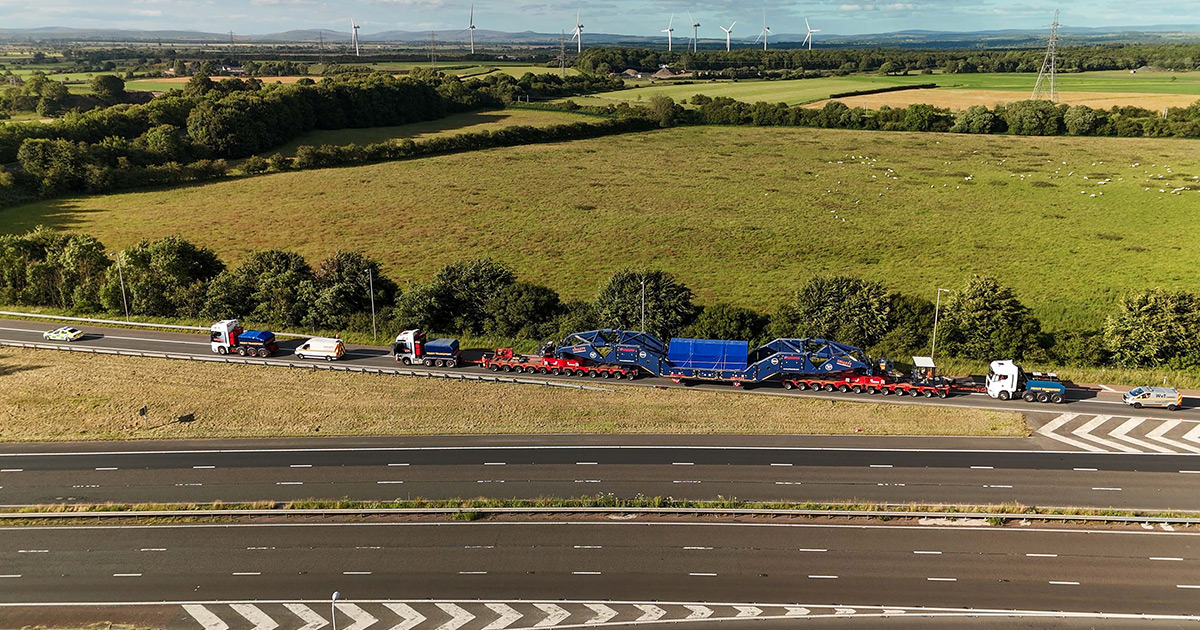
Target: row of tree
{"x": 171, "y": 277}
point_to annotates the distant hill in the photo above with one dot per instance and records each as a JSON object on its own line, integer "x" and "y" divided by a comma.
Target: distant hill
{"x": 902, "y": 39}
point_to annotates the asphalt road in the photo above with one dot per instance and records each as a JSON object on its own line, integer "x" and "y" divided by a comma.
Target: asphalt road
{"x": 753, "y": 468}
{"x": 788, "y": 562}
{"x": 1080, "y": 401}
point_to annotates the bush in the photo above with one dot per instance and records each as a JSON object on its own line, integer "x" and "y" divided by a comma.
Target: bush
{"x": 986, "y": 321}
{"x": 255, "y": 165}
{"x": 1155, "y": 327}
{"x": 523, "y": 310}
{"x": 840, "y": 308}
{"x": 725, "y": 321}
{"x": 667, "y": 303}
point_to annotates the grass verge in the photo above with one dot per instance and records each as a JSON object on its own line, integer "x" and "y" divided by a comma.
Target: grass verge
{"x": 54, "y": 396}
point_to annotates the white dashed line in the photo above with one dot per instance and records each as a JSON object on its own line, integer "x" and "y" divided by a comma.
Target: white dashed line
{"x": 472, "y": 572}
{"x": 33, "y": 551}
{"x": 703, "y": 574}
{"x": 586, "y": 464}
{"x": 106, "y": 468}
{"x": 881, "y": 465}
{"x": 941, "y": 579}
{"x": 982, "y": 468}
{"x": 683, "y": 464}
{"x": 589, "y": 546}
{"x": 788, "y": 483}
{"x": 1176, "y": 586}
{"x": 356, "y": 573}
{"x": 1061, "y": 583}
{"x": 247, "y": 573}
{"x": 813, "y": 550}
{"x": 12, "y": 469}
{"x": 1165, "y": 559}
{"x": 397, "y": 464}
{"x": 1107, "y": 489}
{"x": 17, "y": 575}
{"x": 997, "y": 486}
{"x": 585, "y": 573}
{"x": 587, "y": 481}
{"x": 1190, "y": 472}
{"x": 389, "y": 481}
{"x": 289, "y": 483}
{"x": 475, "y": 547}
{"x": 203, "y": 467}
{"x": 698, "y": 548}
{"x": 1084, "y": 469}
{"x": 822, "y": 577}
{"x": 127, "y": 575}
{"x": 493, "y": 463}
{"x": 929, "y": 553}
{"x": 1041, "y": 555}
{"x": 685, "y": 481}
{"x": 781, "y": 464}
{"x": 300, "y": 466}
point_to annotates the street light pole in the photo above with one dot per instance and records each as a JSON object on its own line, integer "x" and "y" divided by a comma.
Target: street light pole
{"x": 121, "y": 275}
{"x": 936, "y": 312}
{"x": 643, "y": 305}
{"x": 371, "y": 281}
{"x": 333, "y": 609}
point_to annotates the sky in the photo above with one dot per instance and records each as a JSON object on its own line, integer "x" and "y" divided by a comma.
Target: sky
{"x": 633, "y": 17}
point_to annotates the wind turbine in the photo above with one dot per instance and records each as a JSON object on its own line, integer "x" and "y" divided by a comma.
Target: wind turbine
{"x": 354, "y": 36}
{"x": 577, "y": 34}
{"x": 766, "y": 32}
{"x": 471, "y": 29}
{"x": 695, "y": 30}
{"x": 670, "y": 29}
{"x": 808, "y": 39}
{"x": 727, "y": 32}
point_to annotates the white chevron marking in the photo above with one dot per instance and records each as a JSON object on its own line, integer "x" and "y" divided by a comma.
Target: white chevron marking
{"x": 1193, "y": 435}
{"x": 699, "y": 612}
{"x": 1050, "y": 430}
{"x": 362, "y": 619}
{"x": 554, "y": 615}
{"x": 603, "y": 613}
{"x": 650, "y": 612}
{"x": 255, "y": 616}
{"x": 1121, "y": 433}
{"x": 1085, "y": 432}
{"x": 894, "y": 611}
{"x": 748, "y": 611}
{"x": 1160, "y": 434}
{"x": 507, "y": 613}
{"x": 796, "y": 611}
{"x": 844, "y": 611}
{"x": 205, "y": 617}
{"x": 311, "y": 620}
{"x": 411, "y": 617}
{"x": 459, "y": 616}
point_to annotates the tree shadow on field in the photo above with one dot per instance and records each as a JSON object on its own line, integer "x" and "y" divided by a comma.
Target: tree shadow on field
{"x": 8, "y": 370}
{"x": 58, "y": 214}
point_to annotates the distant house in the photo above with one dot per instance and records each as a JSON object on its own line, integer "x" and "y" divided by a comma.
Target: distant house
{"x": 633, "y": 74}
{"x": 231, "y": 70}
{"x": 667, "y": 73}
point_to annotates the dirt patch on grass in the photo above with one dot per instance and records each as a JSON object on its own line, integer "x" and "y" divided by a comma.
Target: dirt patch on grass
{"x": 962, "y": 99}
{"x": 53, "y": 396}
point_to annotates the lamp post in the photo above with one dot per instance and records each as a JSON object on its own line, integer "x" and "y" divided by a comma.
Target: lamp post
{"x": 643, "y": 304}
{"x": 121, "y": 275}
{"x": 333, "y": 609}
{"x": 936, "y": 312}
{"x": 371, "y": 286}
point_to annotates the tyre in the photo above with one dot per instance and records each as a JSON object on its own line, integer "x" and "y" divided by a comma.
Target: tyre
{"x": 631, "y": 375}
{"x": 1057, "y": 399}
{"x": 1043, "y": 397}
{"x": 943, "y": 394}
{"x": 1030, "y": 396}
{"x": 843, "y": 388}
{"x": 554, "y": 371}
{"x": 543, "y": 370}
{"x": 408, "y": 361}
{"x": 222, "y": 350}
{"x": 264, "y": 353}
{"x": 929, "y": 393}
{"x": 329, "y": 359}
{"x": 872, "y": 391}
{"x": 493, "y": 367}
{"x": 506, "y": 368}
{"x": 829, "y": 387}
{"x": 1172, "y": 407}
{"x": 789, "y": 385}
{"x": 440, "y": 363}
{"x": 856, "y": 389}
{"x": 1137, "y": 405}
{"x": 914, "y": 392}
{"x": 608, "y": 375}
{"x": 1004, "y": 395}
{"x": 885, "y": 391}
{"x": 801, "y": 386}
{"x": 427, "y": 362}
{"x": 595, "y": 374}
{"x": 451, "y": 363}
{"x": 299, "y": 356}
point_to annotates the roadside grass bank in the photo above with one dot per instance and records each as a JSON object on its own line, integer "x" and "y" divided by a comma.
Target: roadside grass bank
{"x": 471, "y": 509}
{"x": 50, "y": 395}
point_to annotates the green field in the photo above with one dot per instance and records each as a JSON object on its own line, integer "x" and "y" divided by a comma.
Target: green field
{"x": 808, "y": 90}
{"x": 458, "y": 123}
{"x": 739, "y": 214}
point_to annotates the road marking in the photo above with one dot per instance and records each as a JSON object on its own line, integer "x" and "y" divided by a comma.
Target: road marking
{"x": 247, "y": 573}
{"x": 800, "y": 611}
{"x": 127, "y": 575}
{"x": 1085, "y": 469}
{"x": 603, "y": 614}
{"x": 312, "y": 621}
{"x": 390, "y": 481}
{"x": 459, "y": 616}
{"x": 1190, "y": 472}
{"x": 411, "y": 618}
{"x": 589, "y": 547}
{"x": 1107, "y": 489}
{"x": 781, "y": 464}
{"x": 982, "y": 468}
{"x": 33, "y": 551}
{"x": 1050, "y": 430}
{"x": 698, "y": 548}
{"x": 997, "y": 486}
{"x": 881, "y": 465}
{"x": 11, "y": 575}
{"x": 205, "y": 617}
{"x": 1085, "y": 430}
{"x": 1187, "y": 586}
{"x": 941, "y": 579}
{"x": 1062, "y": 583}
{"x": 493, "y": 463}
{"x": 586, "y": 464}
{"x": 650, "y": 612}
{"x": 362, "y": 619}
{"x": 300, "y": 466}
{"x": 203, "y": 467}
{"x": 1122, "y": 433}
{"x": 587, "y": 481}
{"x": 683, "y": 464}
{"x": 555, "y": 615}
{"x": 745, "y": 612}
{"x": 106, "y": 468}
{"x": 472, "y": 572}
{"x": 813, "y": 550}
{"x": 12, "y": 469}
{"x": 822, "y": 577}
{"x": 685, "y": 481}
{"x": 507, "y": 615}
{"x": 585, "y": 573}
{"x": 699, "y": 612}
{"x": 703, "y": 574}
{"x": 1159, "y": 434}
{"x": 1193, "y": 435}
{"x": 1041, "y": 555}
{"x": 464, "y": 547}
{"x": 289, "y": 483}
{"x": 188, "y": 485}
{"x": 356, "y": 573}
{"x": 932, "y": 553}
{"x": 153, "y": 549}
{"x": 399, "y": 465}
{"x": 258, "y": 548}
{"x": 788, "y": 483}
{"x": 1167, "y": 559}
{"x": 255, "y": 616}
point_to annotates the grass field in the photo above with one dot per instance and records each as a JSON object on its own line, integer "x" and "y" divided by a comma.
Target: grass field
{"x": 458, "y": 123}
{"x": 54, "y": 396}
{"x": 1121, "y": 88}
{"x": 739, "y": 214}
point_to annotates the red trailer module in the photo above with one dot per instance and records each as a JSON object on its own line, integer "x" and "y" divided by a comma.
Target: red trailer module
{"x": 505, "y": 360}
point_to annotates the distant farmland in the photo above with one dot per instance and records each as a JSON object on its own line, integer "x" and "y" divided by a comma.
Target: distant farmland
{"x": 739, "y": 214}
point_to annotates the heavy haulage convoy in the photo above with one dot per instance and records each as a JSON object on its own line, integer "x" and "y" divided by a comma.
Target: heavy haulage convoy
{"x": 799, "y": 364}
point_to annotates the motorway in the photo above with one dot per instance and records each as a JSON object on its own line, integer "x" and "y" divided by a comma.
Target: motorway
{"x": 751, "y": 468}
{"x": 803, "y": 563}
{"x": 1080, "y": 401}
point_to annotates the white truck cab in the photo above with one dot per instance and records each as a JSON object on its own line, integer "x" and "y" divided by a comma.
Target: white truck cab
{"x": 223, "y": 335}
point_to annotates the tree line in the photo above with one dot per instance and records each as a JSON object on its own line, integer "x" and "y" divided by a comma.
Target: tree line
{"x": 170, "y": 277}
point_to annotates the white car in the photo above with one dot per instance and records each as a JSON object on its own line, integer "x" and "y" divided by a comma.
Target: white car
{"x": 66, "y": 333}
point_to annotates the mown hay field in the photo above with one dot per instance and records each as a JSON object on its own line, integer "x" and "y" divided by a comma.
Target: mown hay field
{"x": 743, "y": 215}
{"x": 50, "y": 395}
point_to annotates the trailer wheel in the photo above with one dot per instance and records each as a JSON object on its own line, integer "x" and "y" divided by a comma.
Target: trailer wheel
{"x": 493, "y": 367}
{"x": 554, "y": 371}
{"x": 829, "y": 387}
{"x": 427, "y": 362}
{"x": 789, "y": 385}
{"x": 943, "y": 393}
{"x": 264, "y": 353}
{"x": 885, "y": 391}
{"x": 842, "y": 388}
{"x": 872, "y": 391}
{"x": 1030, "y": 397}
{"x": 914, "y": 392}
{"x": 506, "y": 367}
{"x": 595, "y": 374}
{"x": 543, "y": 370}
{"x": 631, "y": 375}
{"x": 451, "y": 363}
{"x": 929, "y": 393}
{"x": 608, "y": 375}
{"x": 856, "y": 389}
{"x": 1004, "y": 395}
{"x": 1058, "y": 399}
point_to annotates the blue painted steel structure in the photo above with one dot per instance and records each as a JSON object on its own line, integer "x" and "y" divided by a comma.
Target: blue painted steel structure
{"x": 714, "y": 360}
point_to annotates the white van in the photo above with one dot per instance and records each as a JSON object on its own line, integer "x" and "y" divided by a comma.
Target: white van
{"x": 327, "y": 348}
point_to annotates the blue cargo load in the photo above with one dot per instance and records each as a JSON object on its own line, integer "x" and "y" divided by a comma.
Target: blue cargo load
{"x": 262, "y": 337}
{"x": 708, "y": 354}
{"x": 442, "y": 347}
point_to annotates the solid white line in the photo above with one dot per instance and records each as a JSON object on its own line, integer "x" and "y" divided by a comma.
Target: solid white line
{"x": 822, "y": 577}
{"x": 1041, "y": 555}
{"x": 1167, "y": 559}
{"x": 1061, "y": 583}
{"x": 941, "y": 579}
{"x": 356, "y": 573}
{"x": 704, "y": 574}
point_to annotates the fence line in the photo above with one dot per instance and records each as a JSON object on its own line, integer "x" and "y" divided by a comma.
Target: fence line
{"x": 450, "y": 376}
